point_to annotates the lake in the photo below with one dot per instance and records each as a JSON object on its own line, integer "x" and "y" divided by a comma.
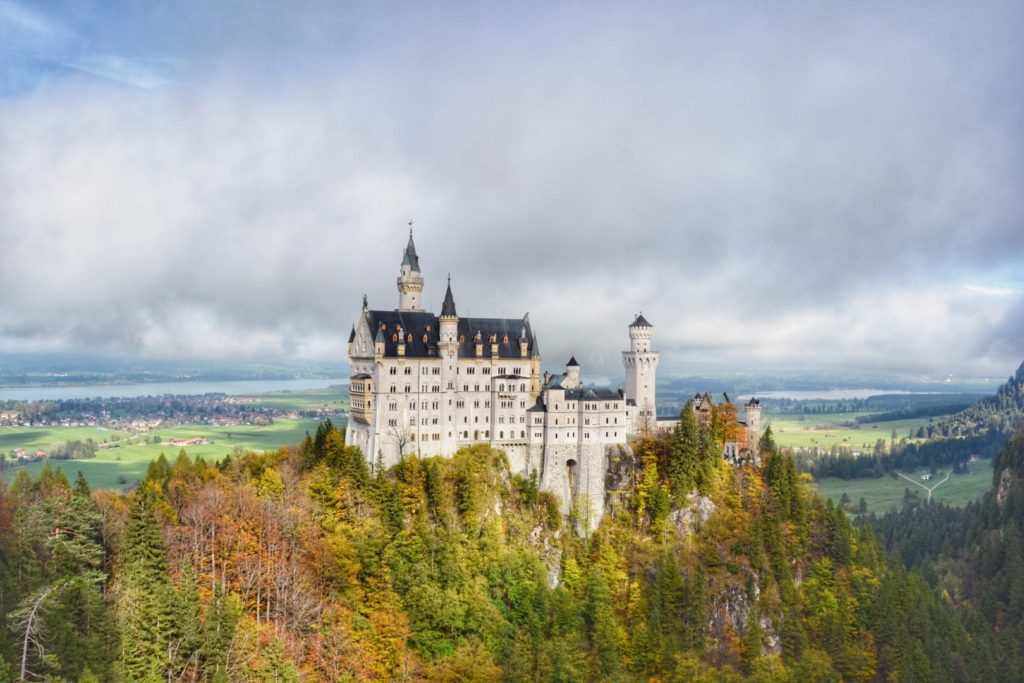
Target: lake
{"x": 238, "y": 387}
{"x": 834, "y": 394}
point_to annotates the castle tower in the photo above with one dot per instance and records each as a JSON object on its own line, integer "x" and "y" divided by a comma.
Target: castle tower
{"x": 448, "y": 350}
{"x": 572, "y": 374}
{"x": 410, "y": 281}
{"x": 753, "y": 419}
{"x": 641, "y": 365}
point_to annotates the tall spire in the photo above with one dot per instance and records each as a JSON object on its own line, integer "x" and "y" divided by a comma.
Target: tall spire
{"x": 409, "y": 258}
{"x": 448, "y": 307}
{"x": 410, "y": 280}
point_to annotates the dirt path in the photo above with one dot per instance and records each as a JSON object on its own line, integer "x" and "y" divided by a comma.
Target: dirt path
{"x": 933, "y": 486}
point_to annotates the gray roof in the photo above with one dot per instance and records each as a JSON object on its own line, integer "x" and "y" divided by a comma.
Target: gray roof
{"x": 361, "y": 375}
{"x": 423, "y": 327}
{"x": 352, "y": 335}
{"x": 448, "y": 305}
{"x": 572, "y": 363}
{"x": 592, "y": 394}
{"x": 641, "y": 321}
{"x": 409, "y": 258}
{"x": 555, "y": 381}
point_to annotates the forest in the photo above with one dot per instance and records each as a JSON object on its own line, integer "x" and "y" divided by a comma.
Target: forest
{"x": 299, "y": 564}
{"x": 979, "y": 430}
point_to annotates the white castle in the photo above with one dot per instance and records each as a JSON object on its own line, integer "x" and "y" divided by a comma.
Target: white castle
{"x": 430, "y": 384}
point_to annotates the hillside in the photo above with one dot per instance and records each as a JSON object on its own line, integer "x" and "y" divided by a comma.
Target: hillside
{"x": 300, "y": 565}
{"x": 975, "y": 555}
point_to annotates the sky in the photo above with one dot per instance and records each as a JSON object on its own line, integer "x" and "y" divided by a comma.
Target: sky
{"x": 811, "y": 185}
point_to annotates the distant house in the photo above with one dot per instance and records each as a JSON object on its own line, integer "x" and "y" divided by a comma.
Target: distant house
{"x": 926, "y": 477}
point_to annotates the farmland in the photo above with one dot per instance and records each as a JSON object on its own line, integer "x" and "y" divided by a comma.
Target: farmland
{"x": 122, "y": 457}
{"x": 837, "y": 429}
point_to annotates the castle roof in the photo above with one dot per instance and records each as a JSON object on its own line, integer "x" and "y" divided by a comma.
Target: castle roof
{"x": 448, "y": 305}
{"x": 352, "y": 335}
{"x": 409, "y": 257}
{"x": 572, "y": 363}
{"x": 420, "y": 332}
{"x": 641, "y": 321}
{"x": 592, "y": 394}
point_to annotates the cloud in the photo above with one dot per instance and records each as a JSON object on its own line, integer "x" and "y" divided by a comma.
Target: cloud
{"x": 773, "y": 187}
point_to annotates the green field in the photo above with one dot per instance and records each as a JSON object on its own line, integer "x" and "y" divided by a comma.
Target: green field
{"x": 130, "y": 456}
{"x": 886, "y": 493}
{"x": 333, "y": 398}
{"x": 837, "y": 429}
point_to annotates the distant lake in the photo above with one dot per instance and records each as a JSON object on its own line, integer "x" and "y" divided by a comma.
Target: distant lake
{"x": 835, "y": 394}
{"x": 238, "y": 387}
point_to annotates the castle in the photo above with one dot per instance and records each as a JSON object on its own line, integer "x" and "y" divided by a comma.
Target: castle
{"x": 430, "y": 384}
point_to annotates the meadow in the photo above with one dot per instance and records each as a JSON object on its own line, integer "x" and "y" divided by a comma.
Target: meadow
{"x": 886, "y": 493}
{"x": 838, "y": 429}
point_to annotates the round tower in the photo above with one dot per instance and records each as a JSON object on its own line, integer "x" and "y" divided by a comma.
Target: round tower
{"x": 410, "y": 280}
{"x": 753, "y": 419}
{"x": 641, "y": 365}
{"x": 572, "y": 374}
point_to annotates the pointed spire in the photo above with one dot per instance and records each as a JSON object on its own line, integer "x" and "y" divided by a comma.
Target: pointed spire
{"x": 448, "y": 306}
{"x": 572, "y": 363}
{"x": 380, "y": 335}
{"x": 352, "y": 335}
{"x": 366, "y": 304}
{"x": 536, "y": 347}
{"x": 409, "y": 258}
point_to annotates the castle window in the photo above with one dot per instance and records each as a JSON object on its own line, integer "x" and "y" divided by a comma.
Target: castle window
{"x": 522, "y": 435}
{"x": 409, "y": 338}
{"x": 394, "y": 337}
{"x": 428, "y": 328}
{"x": 501, "y": 435}
{"x": 424, "y": 338}
{"x": 504, "y": 339}
{"x": 383, "y": 326}
{"x": 462, "y": 338}
{"x": 393, "y": 371}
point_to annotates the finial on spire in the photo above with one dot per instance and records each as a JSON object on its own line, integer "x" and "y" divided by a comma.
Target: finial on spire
{"x": 365, "y": 303}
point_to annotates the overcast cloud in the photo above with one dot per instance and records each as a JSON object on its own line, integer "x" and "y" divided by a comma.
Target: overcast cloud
{"x": 809, "y": 186}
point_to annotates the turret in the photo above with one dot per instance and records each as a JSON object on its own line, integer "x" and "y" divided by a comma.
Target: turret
{"x": 572, "y": 374}
{"x": 449, "y": 319}
{"x": 640, "y": 333}
{"x": 378, "y": 344}
{"x": 410, "y": 281}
